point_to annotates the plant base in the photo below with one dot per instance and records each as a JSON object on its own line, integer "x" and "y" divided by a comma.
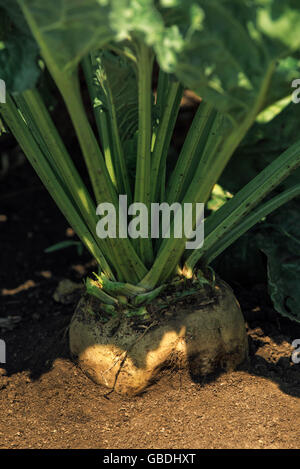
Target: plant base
{"x": 126, "y": 355}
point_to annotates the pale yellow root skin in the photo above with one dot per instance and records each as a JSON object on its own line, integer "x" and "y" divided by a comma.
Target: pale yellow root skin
{"x": 120, "y": 358}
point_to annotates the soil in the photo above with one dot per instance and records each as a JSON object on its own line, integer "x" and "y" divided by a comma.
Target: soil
{"x": 47, "y": 402}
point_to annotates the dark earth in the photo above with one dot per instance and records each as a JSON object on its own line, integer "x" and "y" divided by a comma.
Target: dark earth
{"x": 47, "y": 402}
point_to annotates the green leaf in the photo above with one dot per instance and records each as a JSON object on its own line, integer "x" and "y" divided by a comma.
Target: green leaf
{"x": 15, "y": 15}
{"x": 281, "y": 244}
{"x": 116, "y": 82}
{"x": 219, "y": 197}
{"x": 278, "y": 236}
{"x": 260, "y": 147}
{"x": 18, "y": 50}
{"x": 70, "y": 28}
{"x": 287, "y": 70}
{"x": 213, "y": 61}
{"x": 202, "y": 41}
{"x": 278, "y": 20}
{"x": 63, "y": 245}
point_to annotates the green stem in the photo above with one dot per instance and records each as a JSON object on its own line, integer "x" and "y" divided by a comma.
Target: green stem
{"x": 101, "y": 182}
{"x": 50, "y": 179}
{"x": 193, "y": 145}
{"x": 127, "y": 261}
{"x": 143, "y": 167}
{"x": 162, "y": 90}
{"x": 245, "y": 225}
{"x": 2, "y": 128}
{"x": 164, "y": 135}
{"x": 88, "y": 65}
{"x": 223, "y": 220}
{"x": 68, "y": 85}
{"x": 108, "y": 121}
{"x": 42, "y": 125}
{"x": 206, "y": 176}
{"x": 119, "y": 160}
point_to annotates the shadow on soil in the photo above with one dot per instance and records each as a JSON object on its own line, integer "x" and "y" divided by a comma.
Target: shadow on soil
{"x": 34, "y": 346}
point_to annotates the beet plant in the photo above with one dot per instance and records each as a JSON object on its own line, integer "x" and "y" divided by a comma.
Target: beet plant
{"x": 240, "y": 58}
